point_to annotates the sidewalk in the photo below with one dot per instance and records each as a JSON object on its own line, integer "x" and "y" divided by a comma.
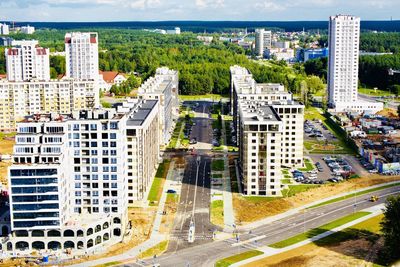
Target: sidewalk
{"x": 229, "y": 218}
{"x": 297, "y": 210}
{"x": 268, "y": 251}
{"x": 155, "y": 236}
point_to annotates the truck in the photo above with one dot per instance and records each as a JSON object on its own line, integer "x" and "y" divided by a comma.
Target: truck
{"x": 374, "y": 198}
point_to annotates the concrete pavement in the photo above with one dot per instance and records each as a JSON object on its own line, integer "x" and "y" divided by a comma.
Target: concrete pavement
{"x": 155, "y": 236}
{"x": 229, "y": 218}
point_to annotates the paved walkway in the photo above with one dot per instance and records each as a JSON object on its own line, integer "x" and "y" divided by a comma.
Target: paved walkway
{"x": 268, "y": 251}
{"x": 229, "y": 218}
{"x": 155, "y": 236}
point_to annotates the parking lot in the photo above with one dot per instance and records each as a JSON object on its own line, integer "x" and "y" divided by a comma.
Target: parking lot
{"x": 316, "y": 130}
{"x": 330, "y": 168}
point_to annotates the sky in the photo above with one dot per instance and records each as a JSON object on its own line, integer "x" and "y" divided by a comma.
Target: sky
{"x": 157, "y": 10}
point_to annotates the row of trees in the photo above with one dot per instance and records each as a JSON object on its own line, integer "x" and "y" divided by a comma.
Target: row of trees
{"x": 202, "y": 69}
{"x": 373, "y": 71}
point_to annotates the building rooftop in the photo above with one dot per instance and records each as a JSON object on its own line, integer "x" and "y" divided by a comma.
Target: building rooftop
{"x": 137, "y": 116}
{"x": 257, "y": 111}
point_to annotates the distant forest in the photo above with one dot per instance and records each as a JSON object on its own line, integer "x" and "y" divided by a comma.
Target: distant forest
{"x": 215, "y": 26}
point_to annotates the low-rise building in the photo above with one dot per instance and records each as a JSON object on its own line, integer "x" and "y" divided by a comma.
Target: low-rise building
{"x": 109, "y": 78}
{"x": 286, "y": 54}
{"x": 27, "y": 29}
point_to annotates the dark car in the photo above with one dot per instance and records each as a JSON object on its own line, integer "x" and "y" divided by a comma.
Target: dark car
{"x": 171, "y": 191}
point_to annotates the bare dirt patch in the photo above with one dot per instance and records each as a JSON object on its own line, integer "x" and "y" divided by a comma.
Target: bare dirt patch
{"x": 348, "y": 253}
{"x": 142, "y": 222}
{"x": 388, "y": 112}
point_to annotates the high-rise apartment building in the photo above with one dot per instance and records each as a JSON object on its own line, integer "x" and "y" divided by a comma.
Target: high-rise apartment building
{"x": 20, "y": 99}
{"x": 344, "y": 42}
{"x": 164, "y": 87}
{"x": 263, "y": 41}
{"x": 4, "y": 29}
{"x": 74, "y": 176}
{"x": 269, "y": 126}
{"x": 26, "y": 61}
{"x": 82, "y": 55}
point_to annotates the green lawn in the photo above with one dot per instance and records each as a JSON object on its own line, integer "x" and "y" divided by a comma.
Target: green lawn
{"x": 236, "y": 258}
{"x": 158, "y": 184}
{"x": 317, "y": 231}
{"x": 218, "y": 165}
{"x": 369, "y": 229}
{"x": 353, "y": 195}
{"x": 156, "y": 250}
{"x": 340, "y": 148}
{"x": 3, "y": 135}
{"x": 378, "y": 92}
{"x": 217, "y": 175}
{"x": 286, "y": 181}
{"x": 309, "y": 166}
{"x": 217, "y": 212}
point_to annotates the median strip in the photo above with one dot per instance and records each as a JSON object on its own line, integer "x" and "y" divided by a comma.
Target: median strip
{"x": 317, "y": 231}
{"x": 352, "y": 195}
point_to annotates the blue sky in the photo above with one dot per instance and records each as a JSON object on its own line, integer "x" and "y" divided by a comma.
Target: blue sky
{"x": 139, "y": 10}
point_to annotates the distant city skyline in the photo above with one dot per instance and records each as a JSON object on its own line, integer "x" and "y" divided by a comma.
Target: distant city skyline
{"x": 155, "y": 10}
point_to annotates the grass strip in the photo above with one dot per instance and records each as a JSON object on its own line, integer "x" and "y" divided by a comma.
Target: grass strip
{"x": 317, "y": 231}
{"x": 217, "y": 212}
{"x": 353, "y": 195}
{"x": 156, "y": 250}
{"x": 218, "y": 165}
{"x": 158, "y": 183}
{"x": 238, "y": 257}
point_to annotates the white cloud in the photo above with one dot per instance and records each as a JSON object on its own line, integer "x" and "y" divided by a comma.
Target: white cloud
{"x": 209, "y": 3}
{"x": 379, "y": 3}
{"x": 270, "y": 6}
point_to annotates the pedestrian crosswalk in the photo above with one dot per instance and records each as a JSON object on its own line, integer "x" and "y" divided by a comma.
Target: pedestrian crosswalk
{"x": 185, "y": 237}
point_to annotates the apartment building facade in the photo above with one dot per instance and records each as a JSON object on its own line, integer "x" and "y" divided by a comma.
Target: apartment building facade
{"x": 260, "y": 130}
{"x": 344, "y": 42}
{"x": 26, "y": 61}
{"x": 82, "y": 55}
{"x": 249, "y": 98}
{"x": 20, "y": 99}
{"x": 4, "y": 29}
{"x": 164, "y": 87}
{"x": 71, "y": 177}
{"x": 263, "y": 41}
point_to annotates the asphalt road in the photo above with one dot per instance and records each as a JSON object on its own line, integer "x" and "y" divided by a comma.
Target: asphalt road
{"x": 194, "y": 204}
{"x": 207, "y": 254}
{"x": 368, "y": 98}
